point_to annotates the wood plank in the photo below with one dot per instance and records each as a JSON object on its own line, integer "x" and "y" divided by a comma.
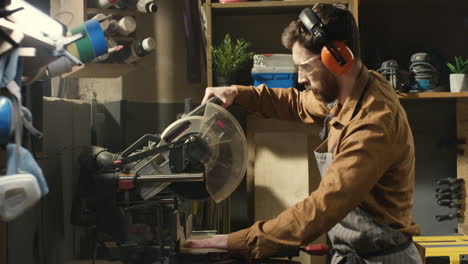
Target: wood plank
{"x": 250, "y": 134}
{"x": 354, "y": 8}
{"x": 282, "y": 170}
{"x": 266, "y": 7}
{"x": 432, "y": 95}
{"x": 70, "y": 14}
{"x": 209, "y": 44}
{"x": 100, "y": 70}
{"x": 119, "y": 12}
{"x": 272, "y": 4}
{"x": 462, "y": 160}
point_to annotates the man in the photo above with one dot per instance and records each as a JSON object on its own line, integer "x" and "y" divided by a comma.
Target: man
{"x": 367, "y": 161}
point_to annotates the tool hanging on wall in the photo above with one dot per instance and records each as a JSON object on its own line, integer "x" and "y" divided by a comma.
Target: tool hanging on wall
{"x": 450, "y": 196}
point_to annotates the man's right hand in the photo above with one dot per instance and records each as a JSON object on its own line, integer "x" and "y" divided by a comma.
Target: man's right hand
{"x": 225, "y": 93}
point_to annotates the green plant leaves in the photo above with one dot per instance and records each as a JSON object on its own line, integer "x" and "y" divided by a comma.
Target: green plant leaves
{"x": 230, "y": 57}
{"x": 461, "y": 66}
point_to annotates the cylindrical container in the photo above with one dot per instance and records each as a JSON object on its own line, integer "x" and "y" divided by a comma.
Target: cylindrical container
{"x": 58, "y": 67}
{"x": 147, "y": 6}
{"x": 127, "y": 25}
{"x": 93, "y": 43}
{"x": 134, "y": 51}
{"x": 102, "y": 21}
{"x": 140, "y": 49}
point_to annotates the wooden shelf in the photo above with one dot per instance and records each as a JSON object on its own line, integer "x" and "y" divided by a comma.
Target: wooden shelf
{"x": 123, "y": 38}
{"x": 432, "y": 95}
{"x": 274, "y": 4}
{"x": 268, "y": 6}
{"x": 119, "y": 12}
{"x": 100, "y": 70}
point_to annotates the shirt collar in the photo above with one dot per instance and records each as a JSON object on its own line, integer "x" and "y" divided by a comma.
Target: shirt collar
{"x": 343, "y": 114}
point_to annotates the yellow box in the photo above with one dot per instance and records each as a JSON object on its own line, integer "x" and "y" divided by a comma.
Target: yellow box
{"x": 444, "y": 249}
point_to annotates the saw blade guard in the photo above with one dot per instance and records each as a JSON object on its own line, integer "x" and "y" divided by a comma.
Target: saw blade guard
{"x": 227, "y": 163}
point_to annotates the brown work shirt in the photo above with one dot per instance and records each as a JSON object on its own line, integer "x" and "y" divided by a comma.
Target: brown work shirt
{"x": 373, "y": 164}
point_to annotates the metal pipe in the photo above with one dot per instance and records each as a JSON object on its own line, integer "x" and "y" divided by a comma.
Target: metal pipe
{"x": 182, "y": 177}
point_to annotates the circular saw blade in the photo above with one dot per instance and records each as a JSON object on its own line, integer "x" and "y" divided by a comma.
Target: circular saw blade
{"x": 226, "y": 165}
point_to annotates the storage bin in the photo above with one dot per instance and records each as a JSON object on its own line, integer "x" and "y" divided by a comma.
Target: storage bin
{"x": 274, "y": 70}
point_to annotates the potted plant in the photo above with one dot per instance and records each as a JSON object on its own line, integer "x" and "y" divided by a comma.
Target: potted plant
{"x": 458, "y": 78}
{"x": 229, "y": 58}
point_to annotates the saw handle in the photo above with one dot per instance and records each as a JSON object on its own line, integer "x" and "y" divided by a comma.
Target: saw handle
{"x": 316, "y": 250}
{"x": 140, "y": 143}
{"x": 200, "y": 110}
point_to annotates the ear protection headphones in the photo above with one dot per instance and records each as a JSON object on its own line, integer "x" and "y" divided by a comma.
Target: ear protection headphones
{"x": 335, "y": 55}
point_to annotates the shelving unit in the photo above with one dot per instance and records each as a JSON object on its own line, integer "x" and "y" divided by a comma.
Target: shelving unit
{"x": 80, "y": 13}
{"x": 213, "y": 10}
{"x": 432, "y": 95}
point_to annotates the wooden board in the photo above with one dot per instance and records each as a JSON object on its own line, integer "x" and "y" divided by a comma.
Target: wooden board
{"x": 100, "y": 70}
{"x": 272, "y": 4}
{"x": 462, "y": 160}
{"x": 354, "y": 8}
{"x": 282, "y": 170}
{"x": 119, "y": 12}
{"x": 432, "y": 95}
{"x": 209, "y": 43}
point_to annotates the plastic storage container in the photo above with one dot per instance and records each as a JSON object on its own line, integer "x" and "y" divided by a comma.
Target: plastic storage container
{"x": 274, "y": 70}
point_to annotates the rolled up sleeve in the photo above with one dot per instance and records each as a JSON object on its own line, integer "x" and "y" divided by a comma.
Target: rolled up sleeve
{"x": 286, "y": 104}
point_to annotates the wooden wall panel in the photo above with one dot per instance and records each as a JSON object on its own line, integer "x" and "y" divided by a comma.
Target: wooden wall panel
{"x": 282, "y": 169}
{"x": 462, "y": 160}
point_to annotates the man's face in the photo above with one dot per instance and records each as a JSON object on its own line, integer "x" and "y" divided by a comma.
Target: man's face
{"x": 314, "y": 75}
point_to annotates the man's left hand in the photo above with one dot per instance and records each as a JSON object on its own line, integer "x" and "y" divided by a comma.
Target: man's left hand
{"x": 219, "y": 242}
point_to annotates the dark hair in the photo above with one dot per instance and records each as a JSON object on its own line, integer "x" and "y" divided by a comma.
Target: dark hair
{"x": 339, "y": 25}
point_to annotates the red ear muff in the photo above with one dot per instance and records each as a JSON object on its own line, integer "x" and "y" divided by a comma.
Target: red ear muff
{"x": 330, "y": 62}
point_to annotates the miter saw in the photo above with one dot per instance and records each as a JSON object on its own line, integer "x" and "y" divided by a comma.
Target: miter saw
{"x": 133, "y": 198}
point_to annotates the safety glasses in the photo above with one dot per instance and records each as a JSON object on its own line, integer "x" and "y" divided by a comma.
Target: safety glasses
{"x": 301, "y": 67}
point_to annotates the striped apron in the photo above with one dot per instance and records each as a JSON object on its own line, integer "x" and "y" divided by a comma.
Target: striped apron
{"x": 358, "y": 238}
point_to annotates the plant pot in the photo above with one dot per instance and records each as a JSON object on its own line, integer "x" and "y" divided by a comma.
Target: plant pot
{"x": 458, "y": 82}
{"x": 223, "y": 81}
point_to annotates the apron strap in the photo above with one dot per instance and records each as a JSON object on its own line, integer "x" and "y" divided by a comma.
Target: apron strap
{"x": 326, "y": 127}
